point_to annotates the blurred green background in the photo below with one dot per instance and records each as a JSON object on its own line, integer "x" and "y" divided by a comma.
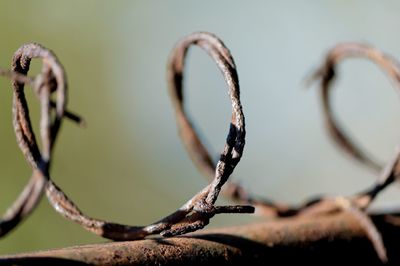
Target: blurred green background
{"x": 129, "y": 166}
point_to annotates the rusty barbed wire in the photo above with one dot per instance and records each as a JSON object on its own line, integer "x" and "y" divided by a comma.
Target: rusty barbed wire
{"x": 51, "y": 79}
{"x": 194, "y": 146}
{"x": 39, "y": 161}
{"x": 326, "y": 74}
{"x": 193, "y": 215}
{"x": 196, "y": 212}
{"x": 356, "y": 204}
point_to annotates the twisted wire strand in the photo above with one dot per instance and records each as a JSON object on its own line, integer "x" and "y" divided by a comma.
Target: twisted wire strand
{"x": 192, "y": 216}
{"x": 39, "y": 161}
{"x": 325, "y": 75}
{"x": 318, "y": 205}
{"x": 196, "y": 149}
{"x": 195, "y": 213}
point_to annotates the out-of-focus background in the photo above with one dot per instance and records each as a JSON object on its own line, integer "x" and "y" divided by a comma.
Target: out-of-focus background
{"x": 129, "y": 165}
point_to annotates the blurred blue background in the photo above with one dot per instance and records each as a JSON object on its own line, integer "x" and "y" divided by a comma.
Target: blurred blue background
{"x": 129, "y": 165}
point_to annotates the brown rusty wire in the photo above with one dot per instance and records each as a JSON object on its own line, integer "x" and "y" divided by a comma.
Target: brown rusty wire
{"x": 193, "y": 215}
{"x": 325, "y": 75}
{"x": 318, "y": 206}
{"x": 196, "y": 212}
{"x": 39, "y": 161}
{"x": 194, "y": 146}
{"x": 43, "y": 85}
{"x": 202, "y": 158}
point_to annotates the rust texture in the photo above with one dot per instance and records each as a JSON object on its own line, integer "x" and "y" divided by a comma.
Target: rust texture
{"x": 333, "y": 239}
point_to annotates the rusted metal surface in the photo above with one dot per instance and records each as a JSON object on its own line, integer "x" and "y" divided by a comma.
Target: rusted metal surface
{"x": 325, "y": 240}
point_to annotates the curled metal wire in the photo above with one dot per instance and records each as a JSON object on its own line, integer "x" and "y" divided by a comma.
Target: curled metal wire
{"x": 193, "y": 144}
{"x": 196, "y": 212}
{"x": 357, "y": 204}
{"x": 39, "y": 160}
{"x": 325, "y": 75}
{"x": 193, "y": 215}
{"x": 203, "y": 160}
